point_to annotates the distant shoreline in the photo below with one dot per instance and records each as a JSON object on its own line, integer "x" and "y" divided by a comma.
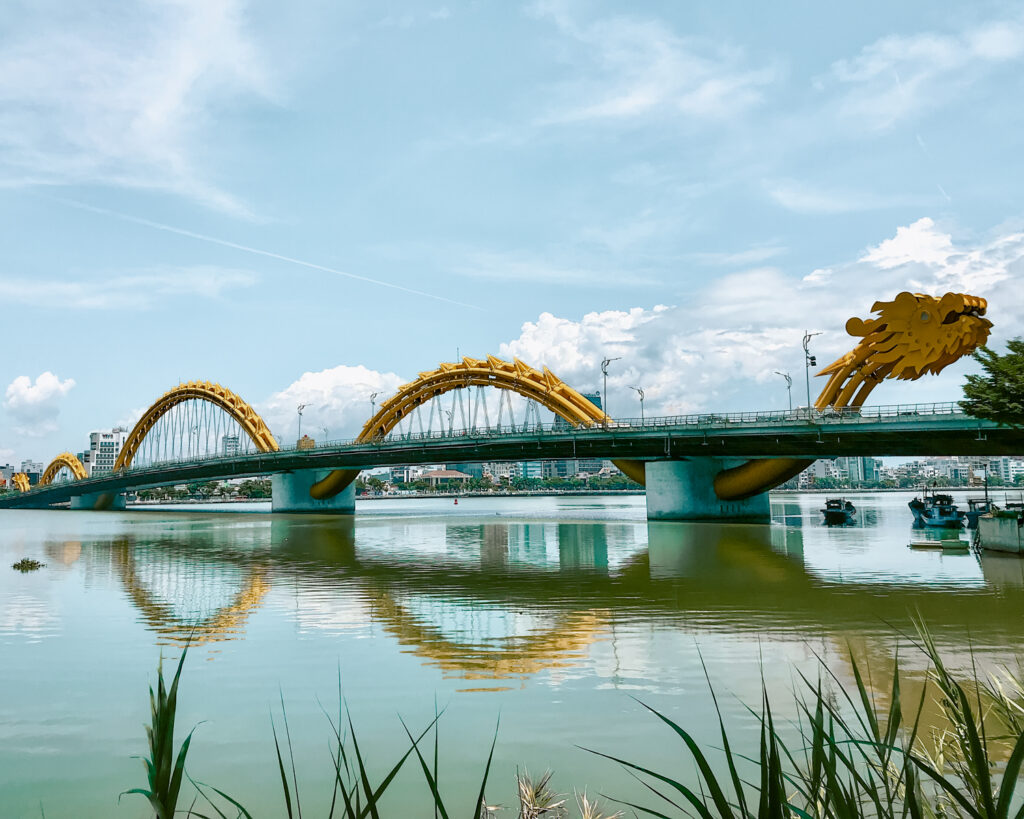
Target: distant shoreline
{"x": 994, "y": 491}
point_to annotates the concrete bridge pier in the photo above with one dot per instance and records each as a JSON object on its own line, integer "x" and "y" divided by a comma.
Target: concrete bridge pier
{"x": 99, "y": 500}
{"x": 684, "y": 490}
{"x": 290, "y": 493}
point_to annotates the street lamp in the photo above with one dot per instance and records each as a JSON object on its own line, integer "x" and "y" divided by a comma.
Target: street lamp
{"x": 300, "y": 408}
{"x": 373, "y": 403}
{"x": 809, "y": 361}
{"x": 604, "y": 371}
{"x": 789, "y": 387}
{"x": 640, "y": 392}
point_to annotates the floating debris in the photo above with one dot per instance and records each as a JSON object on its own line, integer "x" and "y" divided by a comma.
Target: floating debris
{"x": 27, "y": 564}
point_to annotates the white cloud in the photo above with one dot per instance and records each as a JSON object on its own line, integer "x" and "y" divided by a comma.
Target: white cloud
{"x": 801, "y": 197}
{"x": 133, "y": 291}
{"x": 719, "y": 350}
{"x": 899, "y": 76}
{"x": 337, "y": 399}
{"x": 121, "y": 94}
{"x": 626, "y": 67}
{"x": 36, "y": 405}
{"x": 919, "y": 242}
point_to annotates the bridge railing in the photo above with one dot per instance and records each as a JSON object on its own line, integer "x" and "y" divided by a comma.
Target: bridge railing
{"x": 799, "y": 417}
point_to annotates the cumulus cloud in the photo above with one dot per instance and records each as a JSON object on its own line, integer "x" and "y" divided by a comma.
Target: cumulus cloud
{"x": 132, "y": 291}
{"x": 337, "y": 399}
{"x": 36, "y": 405}
{"x": 121, "y": 95}
{"x": 720, "y": 351}
{"x": 919, "y": 242}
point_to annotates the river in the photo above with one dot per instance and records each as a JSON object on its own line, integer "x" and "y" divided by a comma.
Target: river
{"x": 557, "y": 614}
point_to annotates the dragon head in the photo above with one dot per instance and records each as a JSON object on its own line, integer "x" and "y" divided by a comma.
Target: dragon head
{"x": 916, "y": 334}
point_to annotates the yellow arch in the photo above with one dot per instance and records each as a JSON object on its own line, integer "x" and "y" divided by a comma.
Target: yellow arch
{"x": 58, "y": 463}
{"x": 245, "y": 415}
{"x": 543, "y": 386}
{"x": 19, "y": 480}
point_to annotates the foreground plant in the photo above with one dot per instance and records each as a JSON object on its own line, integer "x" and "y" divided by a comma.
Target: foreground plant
{"x": 164, "y": 769}
{"x": 851, "y": 758}
{"x": 854, "y": 760}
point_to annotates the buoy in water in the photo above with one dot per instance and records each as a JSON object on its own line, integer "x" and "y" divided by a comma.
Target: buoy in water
{"x": 456, "y": 501}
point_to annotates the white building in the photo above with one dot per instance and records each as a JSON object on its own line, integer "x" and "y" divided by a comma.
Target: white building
{"x": 229, "y": 445}
{"x": 34, "y": 470}
{"x": 1006, "y": 468}
{"x": 821, "y": 468}
{"x": 104, "y": 447}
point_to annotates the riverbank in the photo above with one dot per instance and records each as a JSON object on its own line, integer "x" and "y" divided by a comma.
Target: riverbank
{"x": 997, "y": 493}
{"x": 539, "y": 493}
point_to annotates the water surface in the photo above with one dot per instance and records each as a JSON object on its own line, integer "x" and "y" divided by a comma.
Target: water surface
{"x": 555, "y": 613}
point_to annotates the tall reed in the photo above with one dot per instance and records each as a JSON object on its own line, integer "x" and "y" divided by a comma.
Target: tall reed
{"x": 844, "y": 757}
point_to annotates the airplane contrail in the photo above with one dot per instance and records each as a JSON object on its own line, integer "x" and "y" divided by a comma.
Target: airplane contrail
{"x": 138, "y": 220}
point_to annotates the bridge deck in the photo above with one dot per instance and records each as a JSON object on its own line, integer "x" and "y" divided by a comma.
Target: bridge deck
{"x": 905, "y": 430}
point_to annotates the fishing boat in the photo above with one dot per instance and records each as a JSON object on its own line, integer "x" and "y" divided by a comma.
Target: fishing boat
{"x": 936, "y": 510}
{"x": 838, "y": 511}
{"x": 976, "y": 507}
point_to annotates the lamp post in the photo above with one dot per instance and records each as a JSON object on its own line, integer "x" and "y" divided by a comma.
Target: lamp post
{"x": 604, "y": 370}
{"x": 373, "y": 403}
{"x": 809, "y": 361}
{"x": 789, "y": 387}
{"x": 640, "y": 392}
{"x": 300, "y": 408}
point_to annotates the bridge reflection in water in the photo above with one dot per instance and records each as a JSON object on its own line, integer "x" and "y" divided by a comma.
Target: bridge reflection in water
{"x": 496, "y": 600}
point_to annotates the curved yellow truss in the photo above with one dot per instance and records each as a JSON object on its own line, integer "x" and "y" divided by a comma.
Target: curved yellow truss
{"x": 65, "y": 459}
{"x": 543, "y": 386}
{"x": 913, "y": 335}
{"x": 245, "y": 415}
{"x": 19, "y": 481}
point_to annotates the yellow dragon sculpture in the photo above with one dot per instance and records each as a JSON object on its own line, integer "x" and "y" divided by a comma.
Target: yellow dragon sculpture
{"x": 911, "y": 336}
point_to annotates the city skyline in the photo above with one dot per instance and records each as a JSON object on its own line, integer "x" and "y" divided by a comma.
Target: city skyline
{"x": 315, "y": 205}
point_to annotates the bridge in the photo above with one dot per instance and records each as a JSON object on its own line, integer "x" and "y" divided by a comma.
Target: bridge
{"x": 708, "y": 466}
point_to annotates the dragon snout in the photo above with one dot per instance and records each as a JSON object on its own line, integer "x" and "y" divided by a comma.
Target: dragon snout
{"x": 955, "y": 306}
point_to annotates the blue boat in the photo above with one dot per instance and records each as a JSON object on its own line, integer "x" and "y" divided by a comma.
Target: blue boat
{"x": 937, "y": 511}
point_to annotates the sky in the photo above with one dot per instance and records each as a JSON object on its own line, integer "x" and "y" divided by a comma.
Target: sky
{"x": 314, "y": 201}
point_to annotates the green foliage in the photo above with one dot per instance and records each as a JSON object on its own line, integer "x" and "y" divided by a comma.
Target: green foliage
{"x": 998, "y": 394}
{"x": 254, "y": 489}
{"x": 854, "y": 759}
{"x": 164, "y": 768}
{"x": 850, "y": 754}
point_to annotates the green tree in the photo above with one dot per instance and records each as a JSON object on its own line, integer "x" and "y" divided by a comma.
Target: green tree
{"x": 998, "y": 393}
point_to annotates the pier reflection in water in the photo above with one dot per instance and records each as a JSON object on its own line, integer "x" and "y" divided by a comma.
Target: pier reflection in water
{"x": 557, "y": 608}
